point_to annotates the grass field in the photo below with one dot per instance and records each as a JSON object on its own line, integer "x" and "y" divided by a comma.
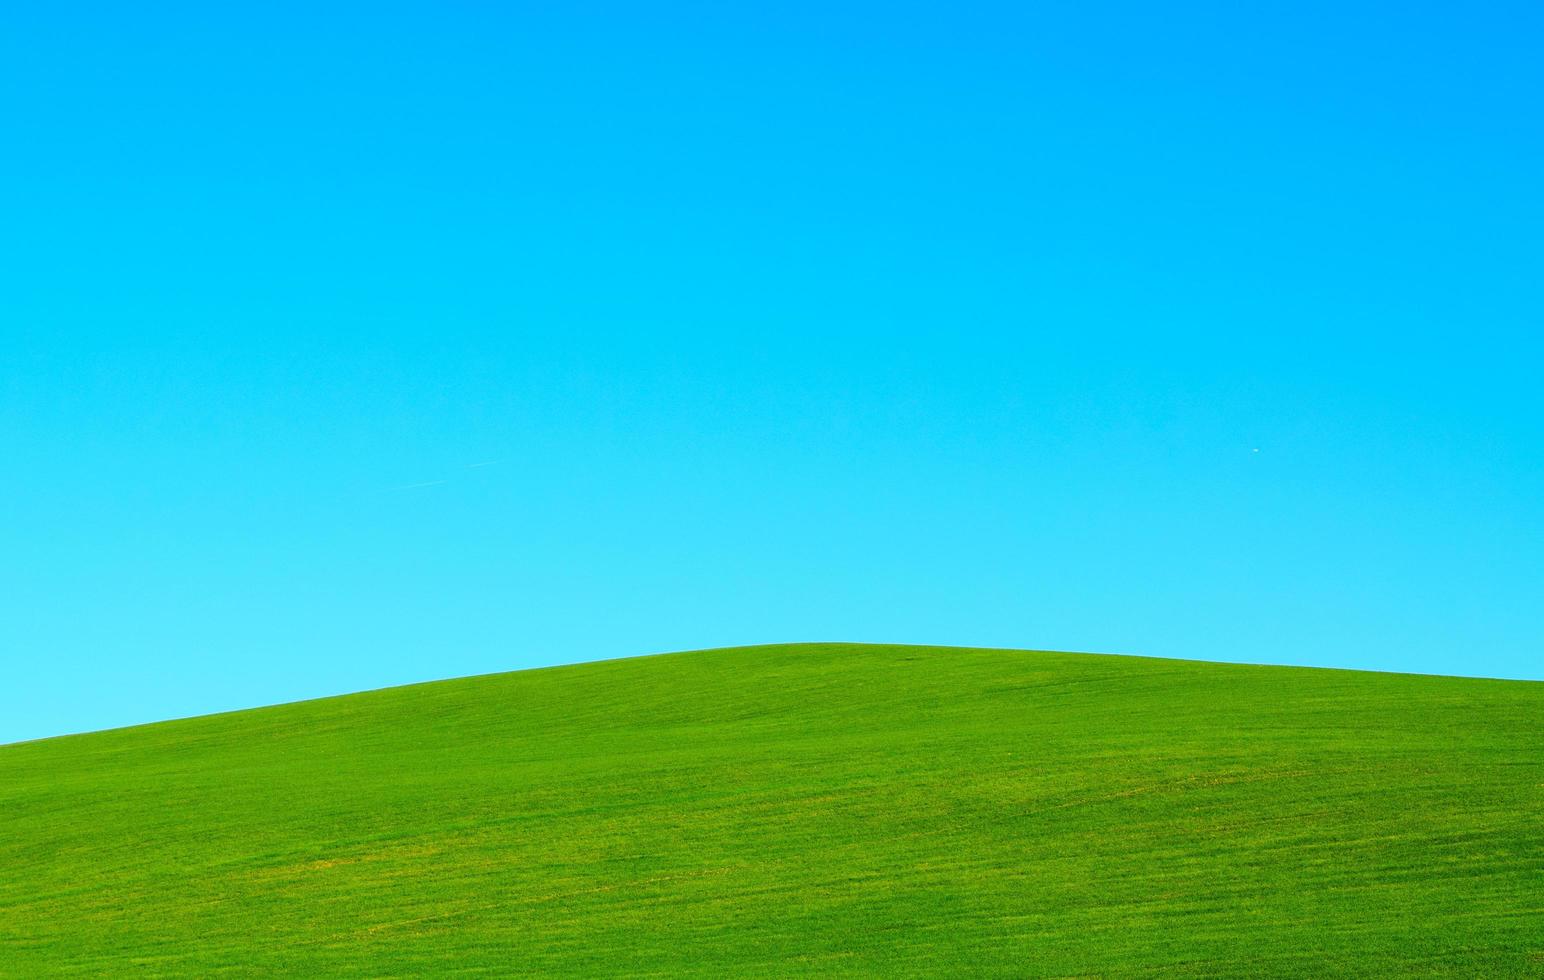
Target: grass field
{"x": 792, "y": 809}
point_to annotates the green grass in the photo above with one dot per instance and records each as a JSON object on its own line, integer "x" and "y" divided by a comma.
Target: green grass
{"x": 817, "y": 808}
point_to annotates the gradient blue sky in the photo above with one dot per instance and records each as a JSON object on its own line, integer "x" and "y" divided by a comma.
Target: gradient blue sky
{"x": 355, "y": 346}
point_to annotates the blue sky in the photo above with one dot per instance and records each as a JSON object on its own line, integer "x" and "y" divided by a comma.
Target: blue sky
{"x": 381, "y": 343}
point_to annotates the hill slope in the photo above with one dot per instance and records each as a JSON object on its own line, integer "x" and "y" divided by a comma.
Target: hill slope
{"x": 784, "y": 809}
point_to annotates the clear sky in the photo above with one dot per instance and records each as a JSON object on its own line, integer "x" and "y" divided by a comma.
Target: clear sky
{"x": 352, "y": 345}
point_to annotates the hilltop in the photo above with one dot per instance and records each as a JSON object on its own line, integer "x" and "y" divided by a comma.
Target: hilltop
{"x": 774, "y": 810}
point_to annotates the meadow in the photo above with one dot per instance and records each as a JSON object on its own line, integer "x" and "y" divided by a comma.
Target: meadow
{"x": 815, "y": 808}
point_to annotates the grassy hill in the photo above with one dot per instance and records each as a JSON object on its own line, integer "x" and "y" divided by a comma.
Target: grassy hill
{"x": 790, "y": 809}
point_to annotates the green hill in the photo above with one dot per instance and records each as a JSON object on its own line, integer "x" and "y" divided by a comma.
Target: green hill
{"x": 815, "y": 808}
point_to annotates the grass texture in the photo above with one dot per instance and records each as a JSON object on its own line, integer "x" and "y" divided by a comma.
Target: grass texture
{"x": 783, "y": 810}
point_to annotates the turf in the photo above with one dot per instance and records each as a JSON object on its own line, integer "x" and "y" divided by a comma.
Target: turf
{"x": 780, "y": 810}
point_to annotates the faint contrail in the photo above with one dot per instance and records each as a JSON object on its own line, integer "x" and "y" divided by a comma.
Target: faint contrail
{"x": 490, "y": 462}
{"x": 415, "y": 486}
